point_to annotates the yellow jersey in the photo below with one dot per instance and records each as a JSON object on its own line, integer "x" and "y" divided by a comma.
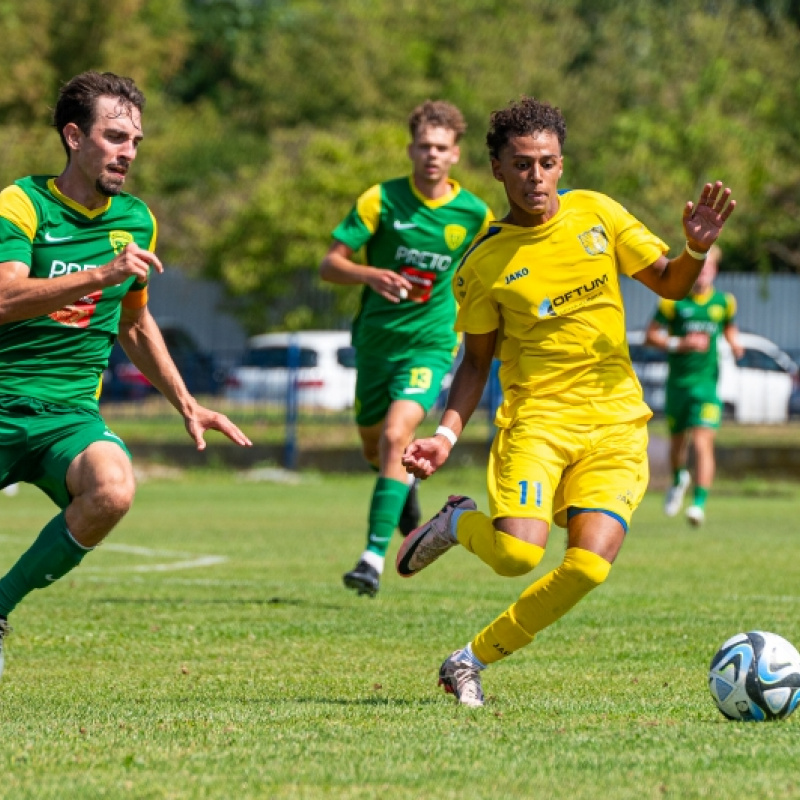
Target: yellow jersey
{"x": 553, "y": 294}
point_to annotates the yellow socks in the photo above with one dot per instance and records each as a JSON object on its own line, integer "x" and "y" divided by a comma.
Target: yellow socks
{"x": 541, "y": 604}
{"x": 505, "y": 554}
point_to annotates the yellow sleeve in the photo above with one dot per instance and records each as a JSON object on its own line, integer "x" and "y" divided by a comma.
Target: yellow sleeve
{"x": 477, "y": 312}
{"x": 666, "y": 310}
{"x": 16, "y": 207}
{"x": 730, "y": 302}
{"x": 635, "y": 246}
{"x": 368, "y": 207}
{"x": 154, "y": 237}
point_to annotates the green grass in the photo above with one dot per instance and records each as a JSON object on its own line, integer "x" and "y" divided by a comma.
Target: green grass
{"x": 261, "y": 677}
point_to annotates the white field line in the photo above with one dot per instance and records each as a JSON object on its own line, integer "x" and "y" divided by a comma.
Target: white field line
{"x": 185, "y": 560}
{"x": 188, "y": 560}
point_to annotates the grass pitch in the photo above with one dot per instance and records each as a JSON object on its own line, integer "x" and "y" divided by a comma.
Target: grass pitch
{"x": 209, "y": 650}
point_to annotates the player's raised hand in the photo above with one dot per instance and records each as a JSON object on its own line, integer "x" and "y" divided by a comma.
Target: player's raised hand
{"x": 132, "y": 261}
{"x": 702, "y": 223}
{"x": 202, "y": 419}
{"x": 424, "y": 456}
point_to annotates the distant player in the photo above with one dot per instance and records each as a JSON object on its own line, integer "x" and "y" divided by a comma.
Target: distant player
{"x": 414, "y": 230}
{"x": 75, "y": 257}
{"x": 688, "y": 330}
{"x": 542, "y": 289}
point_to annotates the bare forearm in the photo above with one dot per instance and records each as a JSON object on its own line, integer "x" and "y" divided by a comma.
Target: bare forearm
{"x": 22, "y": 297}
{"x": 335, "y": 268}
{"x": 143, "y": 343}
{"x": 465, "y": 394}
{"x": 677, "y": 277}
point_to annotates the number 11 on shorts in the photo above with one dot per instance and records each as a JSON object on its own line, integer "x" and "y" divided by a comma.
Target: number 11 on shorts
{"x": 537, "y": 492}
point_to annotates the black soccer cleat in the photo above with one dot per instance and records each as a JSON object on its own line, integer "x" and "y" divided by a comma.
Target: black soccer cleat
{"x": 364, "y": 579}
{"x": 411, "y": 515}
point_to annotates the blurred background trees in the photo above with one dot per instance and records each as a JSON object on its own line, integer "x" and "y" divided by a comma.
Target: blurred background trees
{"x": 266, "y": 118}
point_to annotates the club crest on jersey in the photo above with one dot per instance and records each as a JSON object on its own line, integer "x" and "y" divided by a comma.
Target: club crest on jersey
{"x": 119, "y": 240}
{"x": 594, "y": 240}
{"x": 546, "y": 308}
{"x": 716, "y": 313}
{"x": 454, "y": 236}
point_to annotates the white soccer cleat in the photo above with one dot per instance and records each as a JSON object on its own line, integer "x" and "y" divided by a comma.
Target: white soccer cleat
{"x": 695, "y": 516}
{"x": 463, "y": 679}
{"x": 674, "y": 499}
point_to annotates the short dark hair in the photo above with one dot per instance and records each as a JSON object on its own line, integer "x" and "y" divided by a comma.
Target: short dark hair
{"x": 524, "y": 117}
{"x": 77, "y": 99}
{"x": 437, "y": 114}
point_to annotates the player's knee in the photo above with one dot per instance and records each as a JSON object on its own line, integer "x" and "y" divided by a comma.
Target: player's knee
{"x": 585, "y": 567}
{"x": 111, "y": 497}
{"x": 514, "y": 557}
{"x": 396, "y": 436}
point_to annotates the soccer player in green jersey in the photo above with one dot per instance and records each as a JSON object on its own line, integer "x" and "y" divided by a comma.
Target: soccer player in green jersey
{"x": 75, "y": 257}
{"x": 688, "y": 330}
{"x": 414, "y": 230}
{"x": 542, "y": 289}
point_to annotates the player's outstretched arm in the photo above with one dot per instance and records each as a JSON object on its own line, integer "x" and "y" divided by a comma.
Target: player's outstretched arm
{"x": 702, "y": 225}
{"x": 142, "y": 341}
{"x": 424, "y": 456}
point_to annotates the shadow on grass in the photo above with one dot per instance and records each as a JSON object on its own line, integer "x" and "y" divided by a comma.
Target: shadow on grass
{"x": 220, "y": 601}
{"x": 361, "y": 702}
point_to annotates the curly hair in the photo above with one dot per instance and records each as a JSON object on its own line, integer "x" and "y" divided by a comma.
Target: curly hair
{"x": 77, "y": 99}
{"x": 524, "y": 118}
{"x": 437, "y": 114}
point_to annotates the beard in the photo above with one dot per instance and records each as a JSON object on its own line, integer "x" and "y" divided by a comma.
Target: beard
{"x": 109, "y": 186}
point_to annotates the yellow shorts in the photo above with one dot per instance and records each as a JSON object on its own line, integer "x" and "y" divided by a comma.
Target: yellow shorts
{"x": 540, "y": 472}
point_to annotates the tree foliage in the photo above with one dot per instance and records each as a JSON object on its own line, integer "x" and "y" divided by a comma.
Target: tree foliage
{"x": 267, "y": 118}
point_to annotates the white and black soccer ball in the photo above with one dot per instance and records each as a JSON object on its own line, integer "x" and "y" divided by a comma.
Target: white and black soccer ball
{"x": 755, "y": 676}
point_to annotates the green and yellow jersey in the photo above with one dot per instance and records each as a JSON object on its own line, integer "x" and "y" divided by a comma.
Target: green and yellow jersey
{"x": 60, "y": 357}
{"x": 553, "y": 294}
{"x": 423, "y": 239}
{"x": 708, "y": 313}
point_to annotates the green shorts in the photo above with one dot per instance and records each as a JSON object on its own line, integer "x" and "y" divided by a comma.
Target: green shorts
{"x": 38, "y": 442}
{"x": 416, "y": 376}
{"x": 696, "y": 406}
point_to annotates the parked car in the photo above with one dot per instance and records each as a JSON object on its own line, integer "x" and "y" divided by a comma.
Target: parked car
{"x": 123, "y": 381}
{"x": 325, "y": 364}
{"x": 755, "y": 389}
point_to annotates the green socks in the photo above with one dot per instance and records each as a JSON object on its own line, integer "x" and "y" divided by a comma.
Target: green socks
{"x": 388, "y": 500}
{"x": 50, "y": 557}
{"x": 700, "y": 495}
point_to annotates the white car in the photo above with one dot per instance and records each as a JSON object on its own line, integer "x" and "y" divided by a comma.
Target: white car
{"x": 324, "y": 363}
{"x": 754, "y": 389}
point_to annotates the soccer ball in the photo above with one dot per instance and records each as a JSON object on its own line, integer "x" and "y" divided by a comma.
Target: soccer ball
{"x": 755, "y": 676}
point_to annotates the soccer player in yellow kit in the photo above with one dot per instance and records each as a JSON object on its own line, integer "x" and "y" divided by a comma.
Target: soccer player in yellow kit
{"x": 541, "y": 290}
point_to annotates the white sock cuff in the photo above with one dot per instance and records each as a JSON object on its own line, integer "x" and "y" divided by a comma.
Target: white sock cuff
{"x": 374, "y": 560}
{"x": 472, "y": 658}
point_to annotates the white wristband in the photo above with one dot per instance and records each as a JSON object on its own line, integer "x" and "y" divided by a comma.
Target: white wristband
{"x": 673, "y": 343}
{"x": 695, "y": 254}
{"x": 451, "y": 437}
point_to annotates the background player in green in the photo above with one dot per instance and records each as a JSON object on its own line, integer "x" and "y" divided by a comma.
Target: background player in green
{"x": 688, "y": 330}
{"x": 75, "y": 255}
{"x": 414, "y": 230}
